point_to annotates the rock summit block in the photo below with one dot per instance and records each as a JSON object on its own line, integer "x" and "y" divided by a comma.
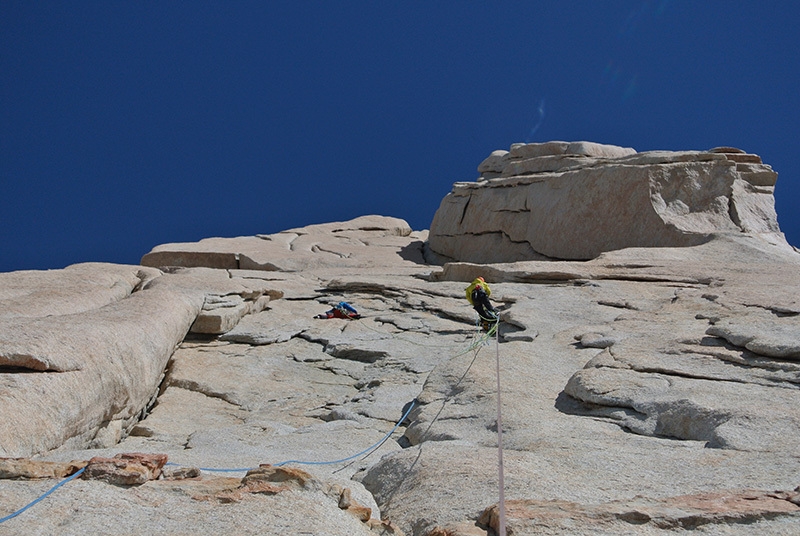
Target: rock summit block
{"x": 573, "y": 201}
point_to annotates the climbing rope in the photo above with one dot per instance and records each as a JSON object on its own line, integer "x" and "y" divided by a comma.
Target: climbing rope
{"x": 36, "y": 501}
{"x": 501, "y": 504}
{"x": 366, "y": 451}
{"x": 479, "y": 341}
{"x": 476, "y": 345}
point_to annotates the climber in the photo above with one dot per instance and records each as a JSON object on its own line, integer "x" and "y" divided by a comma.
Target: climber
{"x": 341, "y": 310}
{"x": 478, "y": 296}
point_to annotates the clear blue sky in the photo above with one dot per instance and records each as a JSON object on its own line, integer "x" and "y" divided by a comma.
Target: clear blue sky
{"x": 124, "y": 125}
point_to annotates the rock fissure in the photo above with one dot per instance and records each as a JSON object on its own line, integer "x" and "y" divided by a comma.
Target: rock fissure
{"x": 464, "y": 211}
{"x": 16, "y": 369}
{"x": 205, "y": 390}
{"x": 317, "y": 249}
{"x": 664, "y": 371}
{"x": 647, "y": 278}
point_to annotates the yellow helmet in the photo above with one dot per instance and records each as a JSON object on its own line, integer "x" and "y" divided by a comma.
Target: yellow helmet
{"x": 477, "y": 282}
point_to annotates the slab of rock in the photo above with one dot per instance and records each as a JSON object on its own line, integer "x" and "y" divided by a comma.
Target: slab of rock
{"x": 763, "y": 332}
{"x": 644, "y": 314}
{"x": 74, "y": 289}
{"x": 89, "y": 374}
{"x": 85, "y": 377}
{"x": 186, "y": 507}
{"x": 281, "y": 322}
{"x": 687, "y": 512}
{"x": 228, "y": 298}
{"x": 329, "y": 245}
{"x": 25, "y": 468}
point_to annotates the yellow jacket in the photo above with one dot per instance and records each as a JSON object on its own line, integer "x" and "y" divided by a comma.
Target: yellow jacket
{"x": 479, "y": 282}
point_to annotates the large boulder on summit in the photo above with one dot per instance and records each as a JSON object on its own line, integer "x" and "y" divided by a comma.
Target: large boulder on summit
{"x": 560, "y": 200}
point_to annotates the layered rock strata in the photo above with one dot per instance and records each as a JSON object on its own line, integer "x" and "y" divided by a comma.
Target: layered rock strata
{"x": 573, "y": 201}
{"x": 333, "y": 245}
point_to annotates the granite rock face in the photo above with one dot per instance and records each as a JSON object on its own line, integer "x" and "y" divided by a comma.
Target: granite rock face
{"x": 644, "y": 391}
{"x": 84, "y": 375}
{"x": 573, "y": 201}
{"x": 333, "y": 245}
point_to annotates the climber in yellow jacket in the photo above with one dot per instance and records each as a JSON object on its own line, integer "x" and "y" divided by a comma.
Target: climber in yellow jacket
{"x": 478, "y": 293}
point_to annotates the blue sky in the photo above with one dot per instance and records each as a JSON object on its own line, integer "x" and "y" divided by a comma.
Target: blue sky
{"x": 124, "y": 125}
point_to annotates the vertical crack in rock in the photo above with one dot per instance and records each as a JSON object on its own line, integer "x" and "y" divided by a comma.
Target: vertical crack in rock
{"x": 464, "y": 210}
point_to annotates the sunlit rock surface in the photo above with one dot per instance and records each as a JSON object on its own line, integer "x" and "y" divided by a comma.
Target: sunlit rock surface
{"x": 561, "y": 200}
{"x": 647, "y": 390}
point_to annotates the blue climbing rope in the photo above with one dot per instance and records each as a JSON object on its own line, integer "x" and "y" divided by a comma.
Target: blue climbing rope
{"x": 366, "y": 451}
{"x": 51, "y": 490}
{"x": 476, "y": 344}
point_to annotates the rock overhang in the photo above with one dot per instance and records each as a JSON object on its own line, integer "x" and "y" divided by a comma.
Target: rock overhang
{"x": 574, "y": 201}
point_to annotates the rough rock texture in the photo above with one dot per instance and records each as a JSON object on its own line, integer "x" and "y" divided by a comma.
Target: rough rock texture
{"x": 83, "y": 375}
{"x": 562, "y": 200}
{"x": 125, "y": 469}
{"x": 646, "y": 391}
{"x": 688, "y": 512}
{"x": 334, "y": 245}
{"x": 28, "y": 469}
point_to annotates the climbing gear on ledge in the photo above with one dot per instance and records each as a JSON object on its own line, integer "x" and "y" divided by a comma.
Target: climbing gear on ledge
{"x": 341, "y": 310}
